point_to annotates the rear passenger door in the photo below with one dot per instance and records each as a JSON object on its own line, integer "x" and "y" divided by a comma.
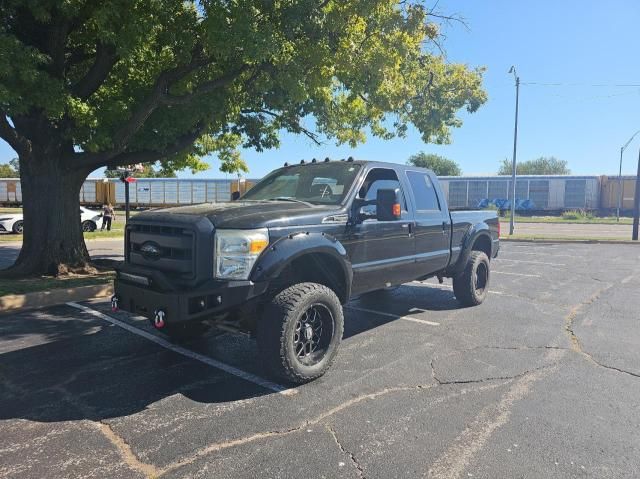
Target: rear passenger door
{"x": 432, "y": 225}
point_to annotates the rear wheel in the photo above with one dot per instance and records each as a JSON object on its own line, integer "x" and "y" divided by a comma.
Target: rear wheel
{"x": 471, "y": 285}
{"x": 300, "y": 332}
{"x": 18, "y": 227}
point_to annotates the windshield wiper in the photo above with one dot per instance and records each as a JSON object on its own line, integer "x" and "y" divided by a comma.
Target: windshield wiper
{"x": 286, "y": 198}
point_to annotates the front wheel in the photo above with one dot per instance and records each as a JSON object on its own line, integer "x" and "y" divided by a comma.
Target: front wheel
{"x": 471, "y": 285}
{"x": 300, "y": 332}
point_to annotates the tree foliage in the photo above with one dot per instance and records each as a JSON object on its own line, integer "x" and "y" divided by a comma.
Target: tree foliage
{"x": 545, "y": 165}
{"x": 87, "y": 84}
{"x": 158, "y": 79}
{"x": 10, "y": 170}
{"x": 148, "y": 171}
{"x": 440, "y": 165}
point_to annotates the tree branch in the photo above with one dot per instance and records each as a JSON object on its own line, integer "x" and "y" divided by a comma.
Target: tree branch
{"x": 158, "y": 96}
{"x": 206, "y": 87}
{"x": 96, "y": 160}
{"x": 9, "y": 134}
{"x": 294, "y": 127}
{"x": 104, "y": 61}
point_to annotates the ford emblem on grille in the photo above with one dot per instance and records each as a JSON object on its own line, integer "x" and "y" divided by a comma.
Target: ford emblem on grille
{"x": 150, "y": 250}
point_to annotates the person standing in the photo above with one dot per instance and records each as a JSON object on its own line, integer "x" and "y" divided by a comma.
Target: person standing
{"x": 108, "y": 214}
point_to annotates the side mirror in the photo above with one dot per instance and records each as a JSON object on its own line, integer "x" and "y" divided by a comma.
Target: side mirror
{"x": 388, "y": 205}
{"x": 235, "y": 195}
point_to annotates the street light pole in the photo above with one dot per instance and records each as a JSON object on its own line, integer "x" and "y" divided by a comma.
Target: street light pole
{"x": 622, "y": 148}
{"x": 636, "y": 204}
{"x": 515, "y": 147}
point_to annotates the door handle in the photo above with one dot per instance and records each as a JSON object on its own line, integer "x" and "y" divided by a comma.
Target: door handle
{"x": 445, "y": 227}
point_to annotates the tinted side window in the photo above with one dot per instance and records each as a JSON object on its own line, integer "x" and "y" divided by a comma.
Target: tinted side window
{"x": 424, "y": 192}
{"x": 377, "y": 179}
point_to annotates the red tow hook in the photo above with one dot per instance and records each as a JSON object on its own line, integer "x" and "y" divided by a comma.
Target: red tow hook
{"x": 114, "y": 304}
{"x": 158, "y": 318}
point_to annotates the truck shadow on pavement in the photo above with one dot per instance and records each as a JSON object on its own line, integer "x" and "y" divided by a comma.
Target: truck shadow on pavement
{"x": 60, "y": 364}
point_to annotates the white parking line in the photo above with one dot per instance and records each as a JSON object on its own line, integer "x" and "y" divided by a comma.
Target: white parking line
{"x": 517, "y": 274}
{"x": 252, "y": 378}
{"x": 531, "y": 262}
{"x": 550, "y": 255}
{"x": 394, "y": 316}
{"x": 448, "y": 287}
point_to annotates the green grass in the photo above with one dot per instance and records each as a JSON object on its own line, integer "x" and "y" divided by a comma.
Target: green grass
{"x": 45, "y": 283}
{"x": 565, "y": 238}
{"x": 583, "y": 220}
{"x": 95, "y": 235}
{"x": 10, "y": 210}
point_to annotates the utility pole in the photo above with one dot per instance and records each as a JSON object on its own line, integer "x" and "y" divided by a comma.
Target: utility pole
{"x": 636, "y": 204}
{"x": 515, "y": 149}
{"x": 622, "y": 148}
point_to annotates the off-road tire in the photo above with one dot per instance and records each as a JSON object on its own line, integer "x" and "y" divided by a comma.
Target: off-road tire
{"x": 468, "y": 287}
{"x": 18, "y": 227}
{"x": 276, "y": 332}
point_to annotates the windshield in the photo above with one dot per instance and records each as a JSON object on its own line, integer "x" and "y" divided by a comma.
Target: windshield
{"x": 317, "y": 183}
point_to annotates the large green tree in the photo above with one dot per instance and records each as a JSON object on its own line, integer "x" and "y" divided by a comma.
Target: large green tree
{"x": 545, "y": 165}
{"x": 86, "y": 84}
{"x": 440, "y": 165}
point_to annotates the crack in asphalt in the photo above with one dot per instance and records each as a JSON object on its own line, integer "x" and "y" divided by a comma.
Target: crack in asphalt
{"x": 122, "y": 446}
{"x": 491, "y": 378}
{"x": 345, "y": 451}
{"x": 576, "y": 346}
{"x": 216, "y": 447}
{"x": 509, "y": 348}
{"x": 453, "y": 462}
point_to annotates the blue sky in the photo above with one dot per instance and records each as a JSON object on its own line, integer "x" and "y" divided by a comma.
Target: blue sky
{"x": 575, "y": 43}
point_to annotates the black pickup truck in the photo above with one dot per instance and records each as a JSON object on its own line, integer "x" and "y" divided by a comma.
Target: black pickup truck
{"x": 280, "y": 261}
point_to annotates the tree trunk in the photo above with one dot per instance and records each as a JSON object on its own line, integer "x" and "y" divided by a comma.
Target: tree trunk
{"x": 52, "y": 243}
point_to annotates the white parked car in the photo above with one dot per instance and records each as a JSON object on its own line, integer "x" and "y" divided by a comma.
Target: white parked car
{"x": 13, "y": 222}
{"x": 91, "y": 219}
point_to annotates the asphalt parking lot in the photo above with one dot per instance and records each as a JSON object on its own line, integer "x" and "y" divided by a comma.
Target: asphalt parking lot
{"x": 542, "y": 380}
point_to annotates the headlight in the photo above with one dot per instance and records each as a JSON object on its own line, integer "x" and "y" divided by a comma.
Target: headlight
{"x": 237, "y": 251}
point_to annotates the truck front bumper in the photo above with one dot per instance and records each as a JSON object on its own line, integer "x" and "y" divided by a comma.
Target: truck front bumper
{"x": 210, "y": 299}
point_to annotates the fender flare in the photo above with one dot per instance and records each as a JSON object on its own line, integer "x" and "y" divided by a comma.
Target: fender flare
{"x": 291, "y": 247}
{"x": 475, "y": 232}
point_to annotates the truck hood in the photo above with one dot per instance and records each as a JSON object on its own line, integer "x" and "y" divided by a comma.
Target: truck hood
{"x": 248, "y": 214}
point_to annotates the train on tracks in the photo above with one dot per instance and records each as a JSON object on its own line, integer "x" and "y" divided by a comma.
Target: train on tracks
{"x": 533, "y": 193}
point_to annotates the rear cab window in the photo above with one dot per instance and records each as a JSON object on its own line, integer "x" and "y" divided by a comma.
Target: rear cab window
{"x": 424, "y": 192}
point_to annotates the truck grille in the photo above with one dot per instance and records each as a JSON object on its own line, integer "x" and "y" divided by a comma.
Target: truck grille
{"x": 165, "y": 248}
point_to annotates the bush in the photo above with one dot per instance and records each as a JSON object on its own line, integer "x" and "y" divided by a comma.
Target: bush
{"x": 576, "y": 215}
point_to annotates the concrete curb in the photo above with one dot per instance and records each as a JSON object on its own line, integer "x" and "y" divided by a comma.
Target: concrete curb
{"x": 570, "y": 241}
{"x": 15, "y": 303}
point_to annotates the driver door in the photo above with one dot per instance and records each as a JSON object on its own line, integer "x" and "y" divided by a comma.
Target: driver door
{"x": 382, "y": 252}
